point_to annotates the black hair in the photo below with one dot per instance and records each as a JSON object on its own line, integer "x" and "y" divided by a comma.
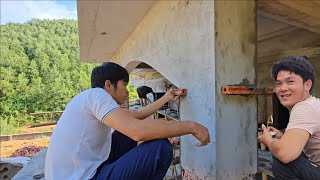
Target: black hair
{"x": 108, "y": 71}
{"x": 299, "y": 65}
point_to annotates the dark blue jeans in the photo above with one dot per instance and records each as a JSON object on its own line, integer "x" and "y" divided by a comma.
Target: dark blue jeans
{"x": 127, "y": 161}
{"x": 301, "y": 168}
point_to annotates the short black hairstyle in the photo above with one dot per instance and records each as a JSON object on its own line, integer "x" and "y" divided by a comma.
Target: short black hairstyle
{"x": 108, "y": 71}
{"x": 300, "y": 65}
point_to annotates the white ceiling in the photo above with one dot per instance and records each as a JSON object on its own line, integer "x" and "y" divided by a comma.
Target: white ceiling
{"x": 104, "y": 25}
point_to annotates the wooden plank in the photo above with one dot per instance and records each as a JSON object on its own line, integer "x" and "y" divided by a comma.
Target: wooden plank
{"x": 51, "y": 112}
{"x": 43, "y": 124}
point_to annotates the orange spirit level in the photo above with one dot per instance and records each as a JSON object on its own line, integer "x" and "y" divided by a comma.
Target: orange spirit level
{"x": 180, "y": 92}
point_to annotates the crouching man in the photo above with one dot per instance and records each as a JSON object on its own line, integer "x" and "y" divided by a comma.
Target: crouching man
{"x": 83, "y": 146}
{"x": 297, "y": 151}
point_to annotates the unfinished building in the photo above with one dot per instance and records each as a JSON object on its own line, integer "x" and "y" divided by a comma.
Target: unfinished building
{"x": 202, "y": 46}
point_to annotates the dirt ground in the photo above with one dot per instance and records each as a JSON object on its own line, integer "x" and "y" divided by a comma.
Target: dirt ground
{"x": 8, "y": 147}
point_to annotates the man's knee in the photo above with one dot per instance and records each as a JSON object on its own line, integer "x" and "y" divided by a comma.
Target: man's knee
{"x": 166, "y": 150}
{"x": 162, "y": 145}
{"x": 297, "y": 168}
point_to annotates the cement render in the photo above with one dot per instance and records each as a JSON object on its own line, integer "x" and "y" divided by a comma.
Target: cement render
{"x": 177, "y": 39}
{"x": 180, "y": 40}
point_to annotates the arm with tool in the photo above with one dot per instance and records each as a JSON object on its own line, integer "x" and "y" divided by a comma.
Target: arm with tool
{"x": 170, "y": 96}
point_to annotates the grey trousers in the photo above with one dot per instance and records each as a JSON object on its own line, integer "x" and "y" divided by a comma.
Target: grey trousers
{"x": 301, "y": 168}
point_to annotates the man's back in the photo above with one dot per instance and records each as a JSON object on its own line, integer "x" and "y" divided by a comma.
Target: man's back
{"x": 80, "y": 141}
{"x": 144, "y": 90}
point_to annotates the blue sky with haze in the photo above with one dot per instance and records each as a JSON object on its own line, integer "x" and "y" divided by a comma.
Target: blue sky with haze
{"x": 20, "y": 11}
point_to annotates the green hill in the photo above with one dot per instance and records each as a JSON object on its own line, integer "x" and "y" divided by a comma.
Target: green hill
{"x": 40, "y": 69}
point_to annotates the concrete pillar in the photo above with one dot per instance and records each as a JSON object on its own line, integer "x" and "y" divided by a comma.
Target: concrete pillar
{"x": 200, "y": 46}
{"x": 235, "y": 115}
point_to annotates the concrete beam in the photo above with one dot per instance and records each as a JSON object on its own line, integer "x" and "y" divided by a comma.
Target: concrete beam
{"x": 295, "y": 39}
{"x": 302, "y": 14}
{"x": 309, "y": 52}
{"x": 276, "y": 33}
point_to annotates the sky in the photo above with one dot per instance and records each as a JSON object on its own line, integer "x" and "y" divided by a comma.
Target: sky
{"x": 20, "y": 11}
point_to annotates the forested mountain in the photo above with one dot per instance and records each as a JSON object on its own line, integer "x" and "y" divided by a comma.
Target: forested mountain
{"x": 40, "y": 68}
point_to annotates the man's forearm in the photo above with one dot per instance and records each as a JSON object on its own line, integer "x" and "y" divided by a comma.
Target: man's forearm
{"x": 274, "y": 146}
{"x": 138, "y": 130}
{"x": 165, "y": 129}
{"x": 277, "y": 150}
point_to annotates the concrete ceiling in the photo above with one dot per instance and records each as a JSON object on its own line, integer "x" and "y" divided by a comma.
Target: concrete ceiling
{"x": 268, "y": 28}
{"x": 105, "y": 25}
{"x": 287, "y": 27}
{"x": 303, "y": 14}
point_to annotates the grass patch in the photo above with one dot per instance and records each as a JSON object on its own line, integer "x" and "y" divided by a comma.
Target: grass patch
{"x": 8, "y": 129}
{"x": 13, "y": 128}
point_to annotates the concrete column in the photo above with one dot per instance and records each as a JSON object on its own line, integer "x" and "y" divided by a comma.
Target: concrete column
{"x": 200, "y": 46}
{"x": 176, "y": 38}
{"x": 235, "y": 115}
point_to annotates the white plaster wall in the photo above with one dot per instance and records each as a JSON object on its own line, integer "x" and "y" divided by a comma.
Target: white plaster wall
{"x": 177, "y": 39}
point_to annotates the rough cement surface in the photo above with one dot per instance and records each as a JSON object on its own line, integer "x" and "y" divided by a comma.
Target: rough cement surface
{"x": 9, "y": 167}
{"x": 236, "y": 115}
{"x": 176, "y": 38}
{"x": 34, "y": 169}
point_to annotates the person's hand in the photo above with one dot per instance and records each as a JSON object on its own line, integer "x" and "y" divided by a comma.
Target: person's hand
{"x": 170, "y": 97}
{"x": 202, "y": 134}
{"x": 277, "y": 133}
{"x": 266, "y": 137}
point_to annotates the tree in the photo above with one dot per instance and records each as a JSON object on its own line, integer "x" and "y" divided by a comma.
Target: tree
{"x": 40, "y": 68}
